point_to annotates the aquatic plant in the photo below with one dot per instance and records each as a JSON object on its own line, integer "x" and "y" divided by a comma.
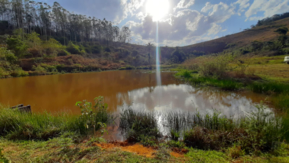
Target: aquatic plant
{"x": 258, "y": 131}
{"x": 134, "y": 124}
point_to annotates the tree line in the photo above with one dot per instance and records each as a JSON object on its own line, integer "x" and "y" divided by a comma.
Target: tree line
{"x": 55, "y": 21}
{"x": 276, "y": 17}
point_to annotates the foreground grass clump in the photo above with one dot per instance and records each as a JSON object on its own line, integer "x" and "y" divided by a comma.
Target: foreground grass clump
{"x": 137, "y": 125}
{"x": 259, "y": 131}
{"x": 17, "y": 125}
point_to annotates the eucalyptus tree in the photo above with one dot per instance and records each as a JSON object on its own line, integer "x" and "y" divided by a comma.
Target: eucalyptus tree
{"x": 4, "y": 8}
{"x": 58, "y": 22}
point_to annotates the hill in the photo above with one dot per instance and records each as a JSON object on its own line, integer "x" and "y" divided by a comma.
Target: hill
{"x": 73, "y": 43}
{"x": 263, "y": 33}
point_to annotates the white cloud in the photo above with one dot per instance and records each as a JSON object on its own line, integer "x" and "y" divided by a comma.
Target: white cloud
{"x": 185, "y": 3}
{"x": 268, "y": 7}
{"x": 215, "y": 29}
{"x": 219, "y": 12}
{"x": 243, "y": 4}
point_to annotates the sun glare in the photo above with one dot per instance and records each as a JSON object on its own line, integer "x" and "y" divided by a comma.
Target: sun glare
{"x": 158, "y": 9}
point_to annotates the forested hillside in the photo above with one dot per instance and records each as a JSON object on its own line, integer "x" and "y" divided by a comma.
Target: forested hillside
{"x": 36, "y": 38}
{"x": 41, "y": 39}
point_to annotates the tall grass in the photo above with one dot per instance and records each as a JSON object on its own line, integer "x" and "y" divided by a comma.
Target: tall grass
{"x": 269, "y": 87}
{"x": 30, "y": 126}
{"x": 257, "y": 131}
{"x": 137, "y": 124}
{"x": 225, "y": 84}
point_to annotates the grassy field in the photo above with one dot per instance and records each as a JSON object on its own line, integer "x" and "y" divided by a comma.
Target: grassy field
{"x": 65, "y": 150}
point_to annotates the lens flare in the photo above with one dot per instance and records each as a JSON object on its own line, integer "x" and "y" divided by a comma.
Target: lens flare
{"x": 158, "y": 69}
{"x": 158, "y": 9}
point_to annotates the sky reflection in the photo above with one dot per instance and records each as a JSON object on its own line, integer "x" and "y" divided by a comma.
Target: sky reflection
{"x": 187, "y": 98}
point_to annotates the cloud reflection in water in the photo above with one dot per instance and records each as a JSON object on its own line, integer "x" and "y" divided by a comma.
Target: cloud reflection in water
{"x": 187, "y": 98}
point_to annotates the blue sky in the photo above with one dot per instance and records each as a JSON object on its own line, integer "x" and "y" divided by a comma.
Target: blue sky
{"x": 185, "y": 22}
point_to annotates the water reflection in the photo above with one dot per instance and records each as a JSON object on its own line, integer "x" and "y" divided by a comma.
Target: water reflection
{"x": 187, "y": 98}
{"x": 58, "y": 93}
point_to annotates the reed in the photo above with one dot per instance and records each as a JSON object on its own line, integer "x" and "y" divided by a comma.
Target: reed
{"x": 134, "y": 125}
{"x": 257, "y": 131}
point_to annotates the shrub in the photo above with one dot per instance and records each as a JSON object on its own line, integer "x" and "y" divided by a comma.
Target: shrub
{"x": 17, "y": 71}
{"x": 4, "y": 73}
{"x": 53, "y": 48}
{"x": 73, "y": 49}
{"x": 7, "y": 55}
{"x": 216, "y": 66}
{"x": 95, "y": 115}
{"x": 235, "y": 152}
{"x": 17, "y": 46}
{"x": 186, "y": 74}
{"x": 63, "y": 53}
{"x": 39, "y": 69}
{"x": 256, "y": 45}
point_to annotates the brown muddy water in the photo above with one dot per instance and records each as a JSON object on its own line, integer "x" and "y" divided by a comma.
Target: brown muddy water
{"x": 59, "y": 93}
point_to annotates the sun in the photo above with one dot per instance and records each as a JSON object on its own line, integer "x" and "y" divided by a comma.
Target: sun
{"x": 158, "y": 9}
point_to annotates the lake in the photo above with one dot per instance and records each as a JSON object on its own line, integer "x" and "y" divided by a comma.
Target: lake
{"x": 58, "y": 93}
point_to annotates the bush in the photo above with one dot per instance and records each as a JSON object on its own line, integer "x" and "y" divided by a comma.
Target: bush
{"x": 63, "y": 53}
{"x": 39, "y": 69}
{"x": 73, "y": 49}
{"x": 4, "y": 73}
{"x": 216, "y": 66}
{"x": 17, "y": 46}
{"x": 18, "y": 72}
{"x": 7, "y": 55}
{"x": 53, "y": 48}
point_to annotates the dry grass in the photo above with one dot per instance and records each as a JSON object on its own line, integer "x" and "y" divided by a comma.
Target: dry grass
{"x": 268, "y": 67}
